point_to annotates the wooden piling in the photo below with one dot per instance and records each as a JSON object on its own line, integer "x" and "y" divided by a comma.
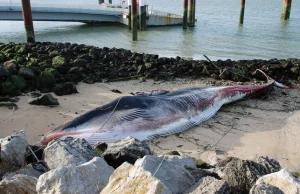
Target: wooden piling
{"x": 143, "y": 15}
{"x": 194, "y": 13}
{"x": 134, "y": 20}
{"x": 190, "y": 13}
{"x": 129, "y": 14}
{"x": 185, "y": 14}
{"x": 27, "y": 16}
{"x": 242, "y": 11}
{"x": 286, "y": 9}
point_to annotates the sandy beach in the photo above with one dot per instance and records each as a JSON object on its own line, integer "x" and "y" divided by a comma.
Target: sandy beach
{"x": 254, "y": 127}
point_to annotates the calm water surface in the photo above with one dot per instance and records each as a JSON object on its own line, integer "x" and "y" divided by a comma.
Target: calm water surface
{"x": 217, "y": 32}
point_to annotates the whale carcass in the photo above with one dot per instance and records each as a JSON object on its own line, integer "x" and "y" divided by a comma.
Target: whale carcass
{"x": 147, "y": 116}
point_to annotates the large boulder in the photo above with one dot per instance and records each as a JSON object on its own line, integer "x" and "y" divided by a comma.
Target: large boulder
{"x": 18, "y": 184}
{"x": 283, "y": 180}
{"x": 13, "y": 151}
{"x": 45, "y": 100}
{"x": 174, "y": 176}
{"x": 90, "y": 177}
{"x": 209, "y": 185}
{"x": 68, "y": 150}
{"x": 130, "y": 179}
{"x": 125, "y": 150}
{"x": 65, "y": 89}
{"x": 241, "y": 175}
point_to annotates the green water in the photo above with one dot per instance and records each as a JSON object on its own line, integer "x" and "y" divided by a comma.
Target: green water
{"x": 217, "y": 33}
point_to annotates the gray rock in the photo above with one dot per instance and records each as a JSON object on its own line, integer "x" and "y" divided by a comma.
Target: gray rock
{"x": 174, "y": 176}
{"x": 53, "y": 53}
{"x": 65, "y": 89}
{"x": 3, "y": 72}
{"x": 209, "y": 185}
{"x": 198, "y": 173}
{"x": 45, "y": 100}
{"x": 68, "y": 151}
{"x": 130, "y": 179}
{"x": 264, "y": 188}
{"x": 87, "y": 178}
{"x": 283, "y": 180}
{"x": 13, "y": 151}
{"x": 26, "y": 73}
{"x": 125, "y": 150}
{"x": 241, "y": 175}
{"x": 28, "y": 171}
{"x": 11, "y": 66}
{"x": 19, "y": 82}
{"x": 184, "y": 161}
{"x": 270, "y": 164}
{"x": 18, "y": 184}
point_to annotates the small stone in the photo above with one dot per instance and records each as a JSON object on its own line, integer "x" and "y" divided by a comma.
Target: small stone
{"x": 45, "y": 100}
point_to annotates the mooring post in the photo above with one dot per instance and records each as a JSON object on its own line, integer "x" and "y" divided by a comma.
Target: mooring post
{"x": 134, "y": 21}
{"x": 143, "y": 15}
{"x": 185, "y": 14}
{"x": 242, "y": 11}
{"x": 27, "y": 16}
{"x": 190, "y": 13}
{"x": 129, "y": 14}
{"x": 194, "y": 13}
{"x": 286, "y": 9}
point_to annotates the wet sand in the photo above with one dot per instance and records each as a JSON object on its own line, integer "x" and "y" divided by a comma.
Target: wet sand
{"x": 246, "y": 129}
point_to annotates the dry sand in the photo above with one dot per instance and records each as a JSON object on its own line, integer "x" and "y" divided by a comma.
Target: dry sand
{"x": 246, "y": 129}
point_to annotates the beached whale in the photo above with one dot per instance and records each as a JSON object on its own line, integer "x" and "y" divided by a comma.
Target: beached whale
{"x": 147, "y": 116}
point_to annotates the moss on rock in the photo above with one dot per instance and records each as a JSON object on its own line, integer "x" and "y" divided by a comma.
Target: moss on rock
{"x": 58, "y": 61}
{"x": 45, "y": 80}
{"x": 53, "y": 71}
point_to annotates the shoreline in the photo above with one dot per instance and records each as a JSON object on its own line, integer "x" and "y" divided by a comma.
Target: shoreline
{"x": 255, "y": 120}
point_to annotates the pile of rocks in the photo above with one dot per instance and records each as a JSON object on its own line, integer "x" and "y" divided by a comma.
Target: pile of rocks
{"x": 128, "y": 166}
{"x": 56, "y": 66}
